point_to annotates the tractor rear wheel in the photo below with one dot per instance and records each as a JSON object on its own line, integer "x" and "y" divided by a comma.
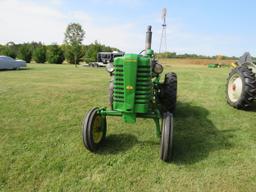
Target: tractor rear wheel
{"x": 241, "y": 87}
{"x": 168, "y": 93}
{"x": 94, "y": 130}
{"x": 166, "y": 147}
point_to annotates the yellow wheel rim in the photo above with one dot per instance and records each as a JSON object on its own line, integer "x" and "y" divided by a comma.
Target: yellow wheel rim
{"x": 97, "y": 131}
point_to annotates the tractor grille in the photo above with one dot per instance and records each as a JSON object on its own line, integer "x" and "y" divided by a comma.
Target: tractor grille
{"x": 143, "y": 85}
{"x": 119, "y": 84}
{"x": 143, "y": 90}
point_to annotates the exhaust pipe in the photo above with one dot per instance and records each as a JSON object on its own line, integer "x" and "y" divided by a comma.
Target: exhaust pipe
{"x": 148, "y": 38}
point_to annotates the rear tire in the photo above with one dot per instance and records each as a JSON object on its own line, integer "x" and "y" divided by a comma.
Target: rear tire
{"x": 166, "y": 148}
{"x": 94, "y": 130}
{"x": 241, "y": 87}
{"x": 168, "y": 93}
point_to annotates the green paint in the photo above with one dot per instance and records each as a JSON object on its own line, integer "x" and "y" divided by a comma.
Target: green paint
{"x": 133, "y": 89}
{"x": 132, "y": 86}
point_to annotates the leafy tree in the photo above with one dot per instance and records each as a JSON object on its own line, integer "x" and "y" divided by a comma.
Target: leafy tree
{"x": 93, "y": 49}
{"x": 55, "y": 54}
{"x": 74, "y": 37}
{"x": 25, "y": 52}
{"x": 39, "y": 54}
{"x": 34, "y": 45}
{"x": 9, "y": 50}
{"x": 69, "y": 53}
{"x": 1, "y": 48}
{"x": 91, "y": 52}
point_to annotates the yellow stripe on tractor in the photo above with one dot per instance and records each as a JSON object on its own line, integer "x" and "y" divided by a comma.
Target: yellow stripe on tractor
{"x": 234, "y": 65}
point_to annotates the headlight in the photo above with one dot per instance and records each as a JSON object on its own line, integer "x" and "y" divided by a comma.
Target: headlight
{"x": 158, "y": 68}
{"x": 110, "y": 68}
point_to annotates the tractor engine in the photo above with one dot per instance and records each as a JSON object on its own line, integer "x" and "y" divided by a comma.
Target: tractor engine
{"x": 132, "y": 85}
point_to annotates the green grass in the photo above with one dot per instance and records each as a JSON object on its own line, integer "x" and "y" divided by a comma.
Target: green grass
{"x": 41, "y": 148}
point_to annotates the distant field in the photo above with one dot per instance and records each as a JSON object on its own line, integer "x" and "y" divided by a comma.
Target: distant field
{"x": 41, "y": 146}
{"x": 193, "y": 61}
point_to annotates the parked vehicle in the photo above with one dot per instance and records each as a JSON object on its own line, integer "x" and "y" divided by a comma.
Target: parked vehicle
{"x": 10, "y": 63}
{"x": 103, "y": 58}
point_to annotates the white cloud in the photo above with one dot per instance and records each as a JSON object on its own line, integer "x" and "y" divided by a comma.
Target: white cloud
{"x": 56, "y": 2}
{"x": 23, "y": 21}
{"x": 26, "y": 21}
{"x": 131, "y": 3}
{"x": 122, "y": 36}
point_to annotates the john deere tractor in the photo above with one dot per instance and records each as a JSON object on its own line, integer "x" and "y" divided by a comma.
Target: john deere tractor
{"x": 136, "y": 92}
{"x": 241, "y": 83}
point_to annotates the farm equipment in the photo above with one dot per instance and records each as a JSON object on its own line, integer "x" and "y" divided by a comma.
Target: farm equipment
{"x": 136, "y": 92}
{"x": 219, "y": 62}
{"x": 241, "y": 83}
{"x": 103, "y": 58}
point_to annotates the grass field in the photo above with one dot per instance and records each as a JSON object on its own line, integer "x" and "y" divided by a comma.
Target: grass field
{"x": 41, "y": 147}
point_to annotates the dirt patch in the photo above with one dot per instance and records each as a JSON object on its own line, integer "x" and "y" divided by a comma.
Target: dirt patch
{"x": 193, "y": 61}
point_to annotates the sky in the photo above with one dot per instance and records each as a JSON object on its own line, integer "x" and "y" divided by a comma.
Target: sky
{"x": 193, "y": 26}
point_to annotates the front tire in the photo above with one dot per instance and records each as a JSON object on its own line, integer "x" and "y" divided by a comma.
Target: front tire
{"x": 241, "y": 87}
{"x": 168, "y": 93}
{"x": 166, "y": 148}
{"x": 94, "y": 130}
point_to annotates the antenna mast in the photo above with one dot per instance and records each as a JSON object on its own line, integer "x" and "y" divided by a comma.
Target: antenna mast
{"x": 163, "y": 42}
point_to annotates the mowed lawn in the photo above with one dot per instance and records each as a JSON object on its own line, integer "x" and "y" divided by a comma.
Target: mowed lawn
{"x": 41, "y": 147}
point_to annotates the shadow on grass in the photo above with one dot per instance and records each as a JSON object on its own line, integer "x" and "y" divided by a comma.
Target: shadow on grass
{"x": 115, "y": 144}
{"x": 195, "y": 136}
{"x": 21, "y": 69}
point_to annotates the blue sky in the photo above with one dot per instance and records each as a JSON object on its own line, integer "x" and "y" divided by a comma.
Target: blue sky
{"x": 202, "y": 27}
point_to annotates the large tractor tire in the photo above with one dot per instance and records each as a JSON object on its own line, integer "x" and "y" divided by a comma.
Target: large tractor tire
{"x": 166, "y": 148}
{"x": 168, "y": 93}
{"x": 94, "y": 130}
{"x": 241, "y": 87}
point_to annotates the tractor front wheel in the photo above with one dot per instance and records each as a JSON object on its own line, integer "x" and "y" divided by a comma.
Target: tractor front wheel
{"x": 168, "y": 93}
{"x": 241, "y": 87}
{"x": 94, "y": 130}
{"x": 167, "y": 138}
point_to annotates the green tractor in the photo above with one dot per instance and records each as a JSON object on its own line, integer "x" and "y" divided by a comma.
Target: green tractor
{"x": 136, "y": 92}
{"x": 241, "y": 83}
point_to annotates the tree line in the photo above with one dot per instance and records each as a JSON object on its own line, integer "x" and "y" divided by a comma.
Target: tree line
{"x": 57, "y": 54}
{"x": 71, "y": 51}
{"x": 53, "y": 54}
